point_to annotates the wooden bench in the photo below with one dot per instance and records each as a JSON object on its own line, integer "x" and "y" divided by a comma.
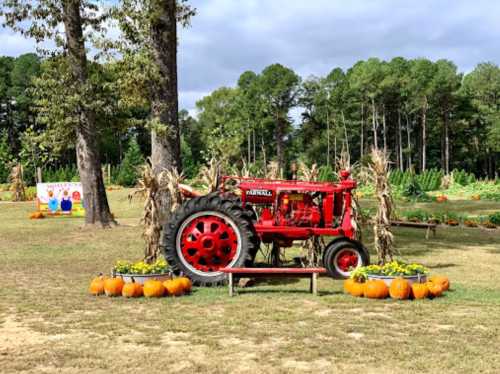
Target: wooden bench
{"x": 417, "y": 225}
{"x": 311, "y": 273}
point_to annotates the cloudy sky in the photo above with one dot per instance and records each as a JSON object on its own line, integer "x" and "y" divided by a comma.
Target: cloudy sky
{"x": 228, "y": 37}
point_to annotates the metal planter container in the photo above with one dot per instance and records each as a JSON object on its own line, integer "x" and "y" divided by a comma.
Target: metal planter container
{"x": 419, "y": 278}
{"x": 141, "y": 278}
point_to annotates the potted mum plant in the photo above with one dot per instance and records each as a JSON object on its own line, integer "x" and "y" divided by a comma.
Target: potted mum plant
{"x": 413, "y": 273}
{"x": 142, "y": 271}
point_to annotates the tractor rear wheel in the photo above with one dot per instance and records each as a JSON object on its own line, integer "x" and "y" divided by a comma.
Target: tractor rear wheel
{"x": 342, "y": 256}
{"x": 206, "y": 234}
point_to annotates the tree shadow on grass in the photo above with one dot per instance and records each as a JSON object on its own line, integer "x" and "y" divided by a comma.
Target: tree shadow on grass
{"x": 276, "y": 281}
{"x": 442, "y": 266}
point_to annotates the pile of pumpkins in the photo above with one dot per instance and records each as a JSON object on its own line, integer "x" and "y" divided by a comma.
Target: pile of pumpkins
{"x": 152, "y": 288}
{"x": 399, "y": 289}
{"x": 37, "y": 215}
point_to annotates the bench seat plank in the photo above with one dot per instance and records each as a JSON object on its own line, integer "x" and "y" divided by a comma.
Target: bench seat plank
{"x": 274, "y": 271}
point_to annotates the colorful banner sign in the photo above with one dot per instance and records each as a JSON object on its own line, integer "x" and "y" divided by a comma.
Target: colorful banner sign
{"x": 60, "y": 199}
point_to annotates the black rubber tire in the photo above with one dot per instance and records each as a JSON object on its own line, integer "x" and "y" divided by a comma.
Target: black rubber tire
{"x": 226, "y": 207}
{"x": 336, "y": 246}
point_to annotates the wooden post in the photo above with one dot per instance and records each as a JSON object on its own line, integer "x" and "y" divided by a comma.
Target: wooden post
{"x": 109, "y": 174}
{"x": 231, "y": 285}
{"x": 39, "y": 174}
{"x": 314, "y": 284}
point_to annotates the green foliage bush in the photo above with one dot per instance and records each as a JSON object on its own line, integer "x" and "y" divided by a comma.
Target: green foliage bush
{"x": 417, "y": 215}
{"x": 129, "y": 169}
{"x": 429, "y": 180}
{"x": 5, "y": 158}
{"x": 463, "y": 178}
{"x": 495, "y": 218}
{"x": 487, "y": 190}
{"x": 68, "y": 173}
{"x": 326, "y": 174}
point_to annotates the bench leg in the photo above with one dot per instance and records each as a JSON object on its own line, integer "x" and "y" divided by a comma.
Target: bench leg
{"x": 231, "y": 285}
{"x": 314, "y": 284}
{"x": 427, "y": 233}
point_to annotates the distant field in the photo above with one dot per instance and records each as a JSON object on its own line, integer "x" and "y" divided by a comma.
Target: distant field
{"x": 48, "y": 322}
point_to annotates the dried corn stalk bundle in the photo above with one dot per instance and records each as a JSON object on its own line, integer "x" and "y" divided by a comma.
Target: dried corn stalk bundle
{"x": 307, "y": 173}
{"x": 313, "y": 246}
{"x": 273, "y": 170}
{"x": 209, "y": 175}
{"x": 245, "y": 171}
{"x": 447, "y": 181}
{"x": 17, "y": 183}
{"x": 161, "y": 196}
{"x": 343, "y": 162}
{"x": 379, "y": 168}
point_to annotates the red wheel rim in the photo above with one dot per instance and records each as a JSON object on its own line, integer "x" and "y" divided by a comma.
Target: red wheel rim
{"x": 347, "y": 260}
{"x": 208, "y": 242}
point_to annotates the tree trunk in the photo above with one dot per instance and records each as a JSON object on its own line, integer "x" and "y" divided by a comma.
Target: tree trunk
{"x": 408, "y": 134}
{"x": 280, "y": 149}
{"x": 165, "y": 134}
{"x": 446, "y": 144}
{"x": 254, "y": 146}
{"x": 374, "y": 124}
{"x": 400, "y": 142}
{"x": 384, "y": 128}
{"x": 87, "y": 148}
{"x": 424, "y": 134}
{"x": 346, "y": 137}
{"x": 249, "y": 145}
{"x": 327, "y": 138}
{"x": 264, "y": 158}
{"x": 362, "y": 132}
{"x": 334, "y": 143}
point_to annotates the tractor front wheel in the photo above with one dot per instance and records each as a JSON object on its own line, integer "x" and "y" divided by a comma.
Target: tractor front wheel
{"x": 206, "y": 234}
{"x": 342, "y": 256}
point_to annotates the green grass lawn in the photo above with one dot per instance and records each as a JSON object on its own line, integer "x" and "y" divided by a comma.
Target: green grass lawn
{"x": 48, "y": 322}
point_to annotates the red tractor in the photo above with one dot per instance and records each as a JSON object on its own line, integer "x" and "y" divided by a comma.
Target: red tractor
{"x": 223, "y": 229}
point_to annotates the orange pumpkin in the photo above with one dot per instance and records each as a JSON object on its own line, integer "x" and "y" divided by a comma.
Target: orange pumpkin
{"x": 113, "y": 286}
{"x": 419, "y": 290}
{"x": 441, "y": 199}
{"x": 442, "y": 280}
{"x": 400, "y": 289}
{"x": 357, "y": 289}
{"x": 376, "y": 289}
{"x": 174, "y": 287}
{"x": 132, "y": 289}
{"x": 348, "y": 284}
{"x": 153, "y": 288}
{"x": 36, "y": 215}
{"x": 186, "y": 283}
{"x": 97, "y": 285}
{"x": 435, "y": 289}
